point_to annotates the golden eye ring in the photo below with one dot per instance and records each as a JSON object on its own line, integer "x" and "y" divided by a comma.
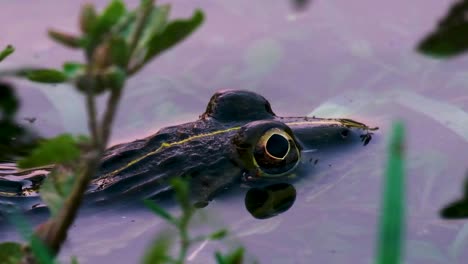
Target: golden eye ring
{"x": 271, "y": 139}
{"x": 266, "y": 149}
{"x": 276, "y": 153}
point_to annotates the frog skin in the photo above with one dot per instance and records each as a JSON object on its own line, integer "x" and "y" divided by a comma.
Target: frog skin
{"x": 237, "y": 139}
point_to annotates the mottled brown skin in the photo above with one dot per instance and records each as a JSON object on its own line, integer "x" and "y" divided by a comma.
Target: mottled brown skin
{"x": 214, "y": 151}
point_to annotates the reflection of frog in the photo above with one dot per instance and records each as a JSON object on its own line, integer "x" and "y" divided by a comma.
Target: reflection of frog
{"x": 237, "y": 138}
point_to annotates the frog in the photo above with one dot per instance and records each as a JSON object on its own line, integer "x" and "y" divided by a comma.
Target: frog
{"x": 237, "y": 139}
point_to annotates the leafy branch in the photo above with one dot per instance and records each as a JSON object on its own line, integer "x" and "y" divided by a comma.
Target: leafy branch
{"x": 158, "y": 252}
{"x": 117, "y": 43}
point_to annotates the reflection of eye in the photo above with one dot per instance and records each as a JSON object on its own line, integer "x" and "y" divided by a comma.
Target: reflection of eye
{"x": 275, "y": 153}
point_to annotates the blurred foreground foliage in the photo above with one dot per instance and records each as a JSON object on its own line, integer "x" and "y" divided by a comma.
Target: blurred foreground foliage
{"x": 117, "y": 43}
{"x": 15, "y": 139}
{"x": 159, "y": 251}
{"x": 392, "y": 210}
{"x": 448, "y": 40}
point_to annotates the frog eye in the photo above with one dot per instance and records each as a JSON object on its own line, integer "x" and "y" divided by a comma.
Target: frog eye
{"x": 266, "y": 149}
{"x": 275, "y": 153}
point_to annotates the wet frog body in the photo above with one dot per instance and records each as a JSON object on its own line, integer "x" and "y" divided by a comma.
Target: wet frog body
{"x": 237, "y": 138}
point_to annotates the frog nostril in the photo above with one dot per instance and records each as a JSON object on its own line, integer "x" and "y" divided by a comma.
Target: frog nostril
{"x": 344, "y": 133}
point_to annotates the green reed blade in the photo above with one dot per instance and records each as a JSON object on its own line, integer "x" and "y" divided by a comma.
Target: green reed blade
{"x": 392, "y": 211}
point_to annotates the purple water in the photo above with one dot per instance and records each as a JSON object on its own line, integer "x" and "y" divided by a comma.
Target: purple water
{"x": 338, "y": 58}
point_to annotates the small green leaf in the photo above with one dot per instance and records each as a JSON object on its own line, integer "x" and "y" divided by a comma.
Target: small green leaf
{"x": 10, "y": 252}
{"x": 155, "y": 24}
{"x": 158, "y": 251}
{"x": 219, "y": 258}
{"x": 119, "y": 51}
{"x": 159, "y": 211}
{"x": 88, "y": 18}
{"x": 450, "y": 37}
{"x": 46, "y": 76}
{"x": 60, "y": 149}
{"x": 235, "y": 257}
{"x": 72, "y": 69}
{"x": 6, "y": 52}
{"x": 110, "y": 16}
{"x": 56, "y": 188}
{"x": 174, "y": 33}
{"x": 218, "y": 235}
{"x": 40, "y": 251}
{"x": 126, "y": 25}
{"x": 391, "y": 226}
{"x": 113, "y": 78}
{"x": 182, "y": 191}
{"x": 66, "y": 39}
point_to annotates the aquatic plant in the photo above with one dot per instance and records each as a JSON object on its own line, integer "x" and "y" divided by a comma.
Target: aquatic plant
{"x": 117, "y": 43}
{"x": 392, "y": 212}
{"x": 158, "y": 252}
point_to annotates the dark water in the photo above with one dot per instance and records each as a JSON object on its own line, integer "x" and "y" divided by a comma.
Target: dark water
{"x": 339, "y": 58}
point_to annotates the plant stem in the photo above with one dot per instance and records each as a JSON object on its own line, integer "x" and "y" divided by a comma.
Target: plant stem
{"x": 184, "y": 236}
{"x": 55, "y": 231}
{"x": 92, "y": 113}
{"x": 106, "y": 125}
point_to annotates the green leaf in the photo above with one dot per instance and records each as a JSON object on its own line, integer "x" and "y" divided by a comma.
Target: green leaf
{"x": 181, "y": 189}
{"x": 10, "y": 252}
{"x": 60, "y": 149}
{"x": 174, "y": 33}
{"x": 110, "y": 16}
{"x": 40, "y": 251}
{"x": 119, "y": 51}
{"x": 6, "y": 52}
{"x": 219, "y": 258}
{"x": 218, "y": 235}
{"x": 450, "y": 37}
{"x": 391, "y": 226}
{"x": 72, "y": 69}
{"x": 158, "y": 251}
{"x": 235, "y": 257}
{"x": 88, "y": 18}
{"x": 156, "y": 23}
{"x": 126, "y": 25}
{"x": 159, "y": 211}
{"x": 113, "y": 78}
{"x": 66, "y": 39}
{"x": 56, "y": 188}
{"x": 46, "y": 76}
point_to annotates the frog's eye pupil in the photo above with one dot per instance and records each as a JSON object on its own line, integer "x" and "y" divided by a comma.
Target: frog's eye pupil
{"x": 277, "y": 146}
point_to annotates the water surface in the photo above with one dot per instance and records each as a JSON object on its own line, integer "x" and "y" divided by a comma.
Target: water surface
{"x": 336, "y": 59}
